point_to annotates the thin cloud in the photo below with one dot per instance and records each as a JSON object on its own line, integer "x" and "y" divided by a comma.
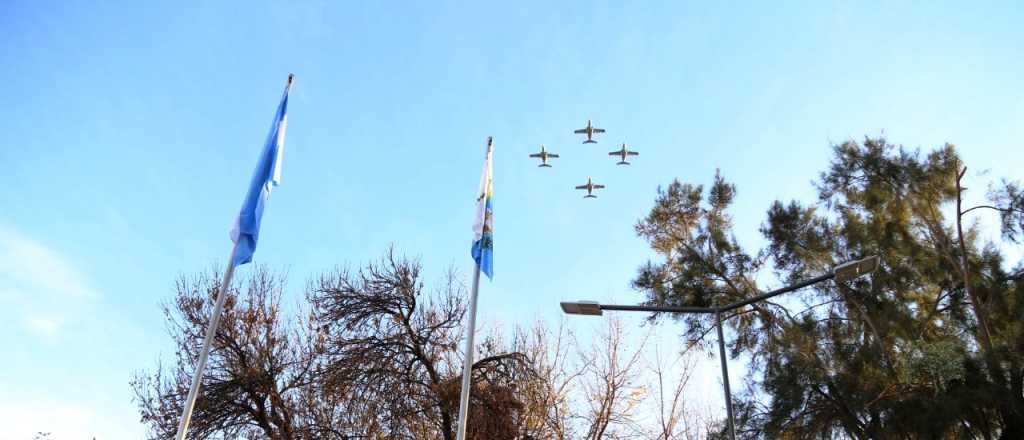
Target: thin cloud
{"x": 39, "y": 286}
{"x": 42, "y": 325}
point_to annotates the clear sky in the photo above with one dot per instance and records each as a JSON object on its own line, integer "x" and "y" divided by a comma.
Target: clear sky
{"x": 131, "y": 129}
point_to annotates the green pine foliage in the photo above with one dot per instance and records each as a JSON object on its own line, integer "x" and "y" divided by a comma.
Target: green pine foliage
{"x": 930, "y": 346}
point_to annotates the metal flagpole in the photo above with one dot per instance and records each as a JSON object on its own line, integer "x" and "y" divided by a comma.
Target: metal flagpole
{"x": 211, "y": 331}
{"x": 467, "y": 369}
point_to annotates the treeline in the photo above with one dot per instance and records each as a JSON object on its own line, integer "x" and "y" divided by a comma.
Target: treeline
{"x": 375, "y": 354}
{"x": 931, "y": 346}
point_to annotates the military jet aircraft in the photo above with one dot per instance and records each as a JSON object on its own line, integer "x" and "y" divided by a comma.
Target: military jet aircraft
{"x": 590, "y": 187}
{"x": 544, "y": 156}
{"x": 625, "y": 151}
{"x": 589, "y": 130}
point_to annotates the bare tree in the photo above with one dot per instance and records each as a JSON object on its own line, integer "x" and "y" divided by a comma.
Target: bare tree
{"x": 396, "y": 347}
{"x": 258, "y": 367}
{"x": 673, "y": 416}
{"x": 372, "y": 354}
{"x": 610, "y": 387}
{"x": 550, "y": 409}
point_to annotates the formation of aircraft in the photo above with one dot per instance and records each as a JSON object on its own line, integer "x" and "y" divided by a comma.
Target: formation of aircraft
{"x": 623, "y": 152}
{"x": 590, "y": 187}
{"x": 544, "y": 156}
{"x": 589, "y": 130}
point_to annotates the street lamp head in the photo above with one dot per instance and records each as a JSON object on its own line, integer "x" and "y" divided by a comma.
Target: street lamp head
{"x": 592, "y": 308}
{"x": 856, "y": 269}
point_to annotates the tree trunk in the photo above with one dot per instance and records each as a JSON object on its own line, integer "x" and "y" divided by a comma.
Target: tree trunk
{"x": 965, "y": 271}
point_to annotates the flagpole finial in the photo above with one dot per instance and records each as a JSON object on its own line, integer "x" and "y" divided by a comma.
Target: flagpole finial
{"x": 288, "y": 87}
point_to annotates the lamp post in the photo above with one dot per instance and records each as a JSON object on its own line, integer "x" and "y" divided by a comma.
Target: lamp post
{"x": 843, "y": 272}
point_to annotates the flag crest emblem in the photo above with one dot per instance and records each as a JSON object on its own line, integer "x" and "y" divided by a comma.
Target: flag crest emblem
{"x": 483, "y": 222}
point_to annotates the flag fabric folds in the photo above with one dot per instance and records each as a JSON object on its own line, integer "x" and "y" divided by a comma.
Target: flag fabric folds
{"x": 246, "y": 230}
{"x": 483, "y": 222}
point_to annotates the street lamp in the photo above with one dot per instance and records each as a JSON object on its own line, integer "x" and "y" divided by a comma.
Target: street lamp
{"x": 855, "y": 269}
{"x": 841, "y": 273}
{"x": 582, "y": 308}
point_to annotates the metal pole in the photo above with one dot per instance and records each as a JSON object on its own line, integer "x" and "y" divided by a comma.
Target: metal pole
{"x": 725, "y": 374}
{"x": 211, "y": 331}
{"x": 776, "y": 292}
{"x": 658, "y": 309}
{"x": 467, "y": 369}
{"x": 858, "y": 267}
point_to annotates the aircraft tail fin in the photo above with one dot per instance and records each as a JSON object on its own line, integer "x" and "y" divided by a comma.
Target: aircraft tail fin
{"x": 544, "y": 165}
{"x": 622, "y": 163}
{"x": 589, "y": 141}
{"x": 589, "y": 196}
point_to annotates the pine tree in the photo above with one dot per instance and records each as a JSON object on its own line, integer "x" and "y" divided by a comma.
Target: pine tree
{"x": 929, "y": 346}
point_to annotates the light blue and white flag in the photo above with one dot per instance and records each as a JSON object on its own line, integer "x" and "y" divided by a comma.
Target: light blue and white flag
{"x": 246, "y": 230}
{"x": 483, "y": 222}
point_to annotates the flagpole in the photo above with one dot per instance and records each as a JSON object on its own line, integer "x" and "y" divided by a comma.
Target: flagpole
{"x": 259, "y": 188}
{"x": 468, "y": 365}
{"x": 211, "y": 331}
{"x": 483, "y": 205}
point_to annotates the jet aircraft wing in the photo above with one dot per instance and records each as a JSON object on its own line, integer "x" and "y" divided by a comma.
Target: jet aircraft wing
{"x": 582, "y": 130}
{"x": 598, "y": 130}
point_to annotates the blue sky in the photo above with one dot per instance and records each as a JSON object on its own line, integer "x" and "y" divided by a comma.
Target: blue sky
{"x": 131, "y": 128}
